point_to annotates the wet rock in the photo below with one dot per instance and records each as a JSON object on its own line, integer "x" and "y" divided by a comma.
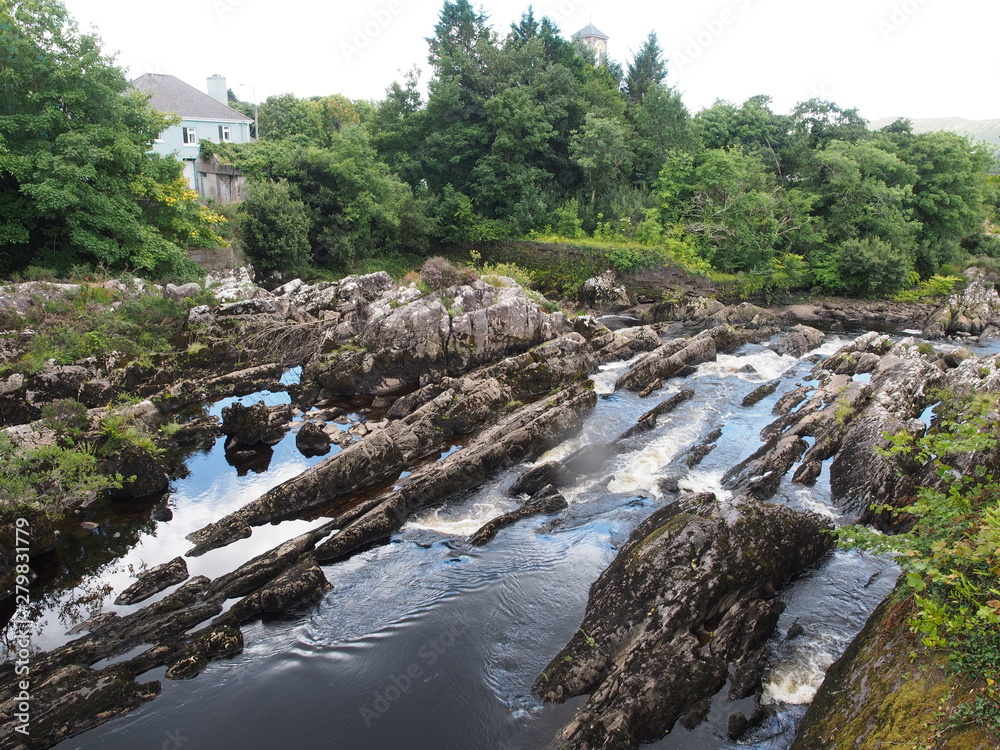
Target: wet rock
{"x": 520, "y": 436}
{"x": 697, "y": 454}
{"x": 885, "y": 691}
{"x": 248, "y": 426}
{"x": 546, "y": 500}
{"x": 694, "y": 569}
{"x": 648, "y": 421}
{"x": 680, "y": 356}
{"x": 626, "y": 343}
{"x": 798, "y": 341}
{"x": 162, "y": 621}
{"x": 312, "y": 440}
{"x": 759, "y": 475}
{"x": 760, "y": 393}
{"x": 154, "y": 580}
{"x": 672, "y": 358}
{"x": 604, "y": 293}
{"x": 466, "y": 405}
{"x": 583, "y": 461}
{"x": 859, "y": 475}
{"x": 68, "y": 701}
{"x": 736, "y": 725}
{"x": 263, "y": 568}
{"x": 218, "y": 642}
{"x": 302, "y": 584}
{"x": 144, "y": 475}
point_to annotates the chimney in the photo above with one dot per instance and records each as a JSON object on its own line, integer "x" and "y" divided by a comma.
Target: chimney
{"x": 217, "y": 89}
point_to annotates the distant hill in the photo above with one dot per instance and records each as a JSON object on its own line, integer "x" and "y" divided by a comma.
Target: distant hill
{"x": 981, "y": 130}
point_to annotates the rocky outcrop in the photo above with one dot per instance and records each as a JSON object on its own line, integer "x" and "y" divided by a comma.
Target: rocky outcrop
{"x": 625, "y": 343}
{"x": 546, "y": 500}
{"x": 154, "y": 580}
{"x": 387, "y": 345}
{"x": 680, "y": 356}
{"x": 877, "y": 695}
{"x": 687, "y": 603}
{"x": 604, "y": 293}
{"x": 441, "y": 412}
{"x": 520, "y": 436}
{"x": 972, "y": 312}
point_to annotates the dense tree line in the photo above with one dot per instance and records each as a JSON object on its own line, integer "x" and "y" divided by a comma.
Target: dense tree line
{"x": 518, "y": 133}
{"x": 529, "y": 133}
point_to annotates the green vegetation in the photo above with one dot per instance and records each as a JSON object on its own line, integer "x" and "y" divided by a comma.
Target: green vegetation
{"x": 78, "y": 185}
{"x": 521, "y": 135}
{"x": 951, "y": 555}
{"x": 88, "y": 325}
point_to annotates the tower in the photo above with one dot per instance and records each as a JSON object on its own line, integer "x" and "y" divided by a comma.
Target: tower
{"x": 596, "y": 39}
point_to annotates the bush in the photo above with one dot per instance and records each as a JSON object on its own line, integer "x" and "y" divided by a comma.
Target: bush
{"x": 440, "y": 273}
{"x": 275, "y": 228}
{"x": 872, "y": 267}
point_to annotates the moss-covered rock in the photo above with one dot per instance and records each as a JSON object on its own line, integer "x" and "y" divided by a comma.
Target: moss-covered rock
{"x": 875, "y": 696}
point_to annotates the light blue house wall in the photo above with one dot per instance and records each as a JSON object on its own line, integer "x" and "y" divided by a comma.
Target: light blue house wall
{"x": 209, "y": 116}
{"x": 171, "y": 141}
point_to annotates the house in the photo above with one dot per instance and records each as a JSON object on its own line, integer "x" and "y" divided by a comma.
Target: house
{"x": 203, "y": 116}
{"x": 596, "y": 39}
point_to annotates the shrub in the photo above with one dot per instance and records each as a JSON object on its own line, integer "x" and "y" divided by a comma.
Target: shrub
{"x": 872, "y": 267}
{"x": 439, "y": 273}
{"x": 275, "y": 228}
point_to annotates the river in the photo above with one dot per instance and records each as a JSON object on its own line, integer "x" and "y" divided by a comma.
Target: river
{"x": 426, "y": 642}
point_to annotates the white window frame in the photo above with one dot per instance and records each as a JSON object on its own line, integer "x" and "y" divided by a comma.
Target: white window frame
{"x": 225, "y": 134}
{"x": 190, "y": 136}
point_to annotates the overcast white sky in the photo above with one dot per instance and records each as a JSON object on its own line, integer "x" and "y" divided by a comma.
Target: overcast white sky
{"x": 913, "y": 58}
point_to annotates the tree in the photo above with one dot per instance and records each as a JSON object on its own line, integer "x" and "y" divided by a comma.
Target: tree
{"x": 602, "y": 149}
{"x": 646, "y": 71}
{"x": 741, "y": 213}
{"x": 74, "y": 145}
{"x": 275, "y": 228}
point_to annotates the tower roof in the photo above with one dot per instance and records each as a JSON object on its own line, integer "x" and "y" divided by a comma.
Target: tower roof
{"x": 591, "y": 31}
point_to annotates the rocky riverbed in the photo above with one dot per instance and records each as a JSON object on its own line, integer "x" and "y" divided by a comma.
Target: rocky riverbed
{"x": 408, "y": 403}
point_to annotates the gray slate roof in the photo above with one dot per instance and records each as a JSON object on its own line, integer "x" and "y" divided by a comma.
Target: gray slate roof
{"x": 171, "y": 94}
{"x": 591, "y": 30}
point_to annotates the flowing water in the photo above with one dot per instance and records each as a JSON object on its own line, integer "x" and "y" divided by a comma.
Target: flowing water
{"x": 426, "y": 642}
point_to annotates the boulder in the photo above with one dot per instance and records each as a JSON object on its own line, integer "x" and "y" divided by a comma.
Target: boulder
{"x": 144, "y": 475}
{"x": 688, "y": 601}
{"x": 154, "y": 580}
{"x": 546, "y": 500}
{"x": 798, "y": 341}
{"x": 312, "y": 440}
{"x": 604, "y": 293}
{"x": 178, "y": 293}
{"x": 257, "y": 424}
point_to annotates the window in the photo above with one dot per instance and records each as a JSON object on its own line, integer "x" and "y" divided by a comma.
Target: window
{"x": 190, "y": 136}
{"x": 225, "y": 134}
